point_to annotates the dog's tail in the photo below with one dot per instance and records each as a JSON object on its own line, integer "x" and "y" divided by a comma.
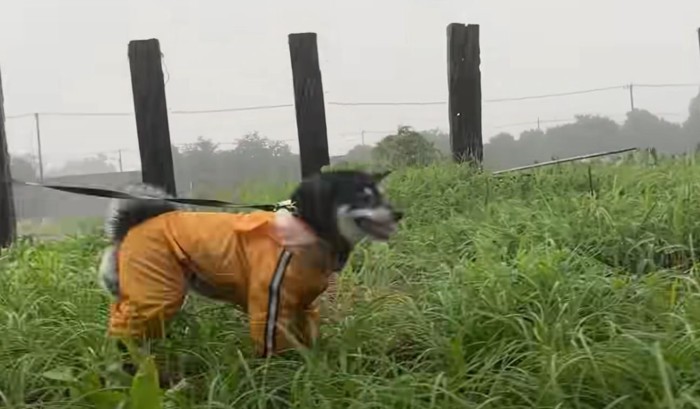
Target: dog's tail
{"x": 122, "y": 215}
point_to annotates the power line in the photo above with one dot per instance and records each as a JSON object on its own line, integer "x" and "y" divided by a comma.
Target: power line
{"x": 386, "y": 103}
{"x": 362, "y": 103}
{"x": 85, "y": 113}
{"x": 26, "y": 115}
{"x": 212, "y": 111}
{"x": 367, "y": 132}
{"x": 681, "y": 85}
{"x": 541, "y": 121}
{"x": 562, "y": 94}
{"x": 559, "y": 94}
{"x": 175, "y": 112}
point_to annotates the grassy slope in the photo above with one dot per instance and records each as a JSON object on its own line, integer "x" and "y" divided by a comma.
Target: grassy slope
{"x": 523, "y": 292}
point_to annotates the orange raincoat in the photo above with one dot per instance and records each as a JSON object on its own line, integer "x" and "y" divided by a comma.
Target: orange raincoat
{"x": 243, "y": 256}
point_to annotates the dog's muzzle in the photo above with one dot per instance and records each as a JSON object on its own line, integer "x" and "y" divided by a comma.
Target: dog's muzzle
{"x": 380, "y": 222}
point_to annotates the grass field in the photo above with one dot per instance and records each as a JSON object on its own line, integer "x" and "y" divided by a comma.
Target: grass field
{"x": 561, "y": 289}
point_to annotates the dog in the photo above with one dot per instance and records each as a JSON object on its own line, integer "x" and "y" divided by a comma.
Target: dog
{"x": 273, "y": 265}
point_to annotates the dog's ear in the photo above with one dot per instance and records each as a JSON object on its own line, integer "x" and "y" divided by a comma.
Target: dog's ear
{"x": 379, "y": 176}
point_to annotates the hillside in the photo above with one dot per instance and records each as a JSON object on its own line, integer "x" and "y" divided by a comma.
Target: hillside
{"x": 559, "y": 288}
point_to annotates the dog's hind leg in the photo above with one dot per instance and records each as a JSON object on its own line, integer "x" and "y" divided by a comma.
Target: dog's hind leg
{"x": 152, "y": 290}
{"x": 108, "y": 270}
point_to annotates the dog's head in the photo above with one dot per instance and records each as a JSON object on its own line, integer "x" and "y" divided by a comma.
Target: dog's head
{"x": 344, "y": 207}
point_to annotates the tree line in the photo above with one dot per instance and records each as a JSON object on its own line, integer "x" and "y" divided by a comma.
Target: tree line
{"x": 587, "y": 134}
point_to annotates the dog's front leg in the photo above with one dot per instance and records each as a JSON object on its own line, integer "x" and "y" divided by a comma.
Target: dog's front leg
{"x": 127, "y": 359}
{"x": 167, "y": 377}
{"x": 332, "y": 289}
{"x": 272, "y": 318}
{"x": 310, "y": 323}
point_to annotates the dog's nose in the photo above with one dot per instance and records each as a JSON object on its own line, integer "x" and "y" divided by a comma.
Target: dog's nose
{"x": 398, "y": 215}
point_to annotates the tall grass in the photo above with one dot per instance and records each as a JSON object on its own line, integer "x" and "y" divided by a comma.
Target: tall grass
{"x": 555, "y": 289}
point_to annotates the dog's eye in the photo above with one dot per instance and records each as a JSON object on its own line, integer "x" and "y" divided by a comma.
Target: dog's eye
{"x": 366, "y": 195}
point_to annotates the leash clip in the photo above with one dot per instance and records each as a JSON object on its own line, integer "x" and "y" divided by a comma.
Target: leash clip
{"x": 285, "y": 205}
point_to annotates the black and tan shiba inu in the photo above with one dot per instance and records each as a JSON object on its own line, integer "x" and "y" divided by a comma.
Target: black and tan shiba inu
{"x": 274, "y": 265}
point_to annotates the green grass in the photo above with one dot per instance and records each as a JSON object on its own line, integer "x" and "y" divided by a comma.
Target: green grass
{"x": 557, "y": 289}
{"x": 57, "y": 228}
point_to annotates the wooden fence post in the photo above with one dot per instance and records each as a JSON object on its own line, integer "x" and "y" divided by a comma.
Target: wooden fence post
{"x": 464, "y": 85}
{"x": 151, "y": 114}
{"x": 8, "y": 222}
{"x": 309, "y": 103}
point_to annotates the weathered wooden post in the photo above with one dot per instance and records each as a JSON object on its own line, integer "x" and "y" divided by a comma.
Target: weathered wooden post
{"x": 698, "y": 96}
{"x": 8, "y": 223}
{"x": 151, "y": 114}
{"x": 464, "y": 86}
{"x": 309, "y": 103}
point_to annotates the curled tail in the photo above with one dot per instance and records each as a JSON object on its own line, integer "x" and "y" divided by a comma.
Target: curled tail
{"x": 122, "y": 215}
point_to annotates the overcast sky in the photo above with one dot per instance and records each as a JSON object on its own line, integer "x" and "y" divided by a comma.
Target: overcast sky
{"x": 71, "y": 56}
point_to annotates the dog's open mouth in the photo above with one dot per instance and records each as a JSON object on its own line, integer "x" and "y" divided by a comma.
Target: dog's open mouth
{"x": 378, "y": 230}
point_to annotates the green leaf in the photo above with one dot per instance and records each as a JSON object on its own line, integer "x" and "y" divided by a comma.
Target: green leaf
{"x": 145, "y": 390}
{"x": 105, "y": 399}
{"x": 60, "y": 374}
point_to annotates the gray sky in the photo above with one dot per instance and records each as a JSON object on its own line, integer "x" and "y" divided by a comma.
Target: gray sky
{"x": 71, "y": 55}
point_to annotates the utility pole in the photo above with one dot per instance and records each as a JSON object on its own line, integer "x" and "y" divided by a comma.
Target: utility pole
{"x": 363, "y": 137}
{"x": 631, "y": 88}
{"x": 121, "y": 166}
{"x": 38, "y": 141}
{"x": 538, "y": 123}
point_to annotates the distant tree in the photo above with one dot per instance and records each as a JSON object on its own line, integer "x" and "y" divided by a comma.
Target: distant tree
{"x": 499, "y": 151}
{"x": 204, "y": 169}
{"x": 182, "y": 175}
{"x": 22, "y": 168}
{"x": 359, "y": 154}
{"x": 91, "y": 165}
{"x": 503, "y": 139}
{"x": 531, "y": 146}
{"x": 254, "y": 146}
{"x": 203, "y": 146}
{"x": 259, "y": 159}
{"x": 691, "y": 127}
{"x": 589, "y": 134}
{"x": 440, "y": 139}
{"x": 200, "y": 164}
{"x": 643, "y": 129}
{"x": 406, "y": 148}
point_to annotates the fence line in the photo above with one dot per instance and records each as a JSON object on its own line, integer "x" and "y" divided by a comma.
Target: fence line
{"x": 564, "y": 160}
